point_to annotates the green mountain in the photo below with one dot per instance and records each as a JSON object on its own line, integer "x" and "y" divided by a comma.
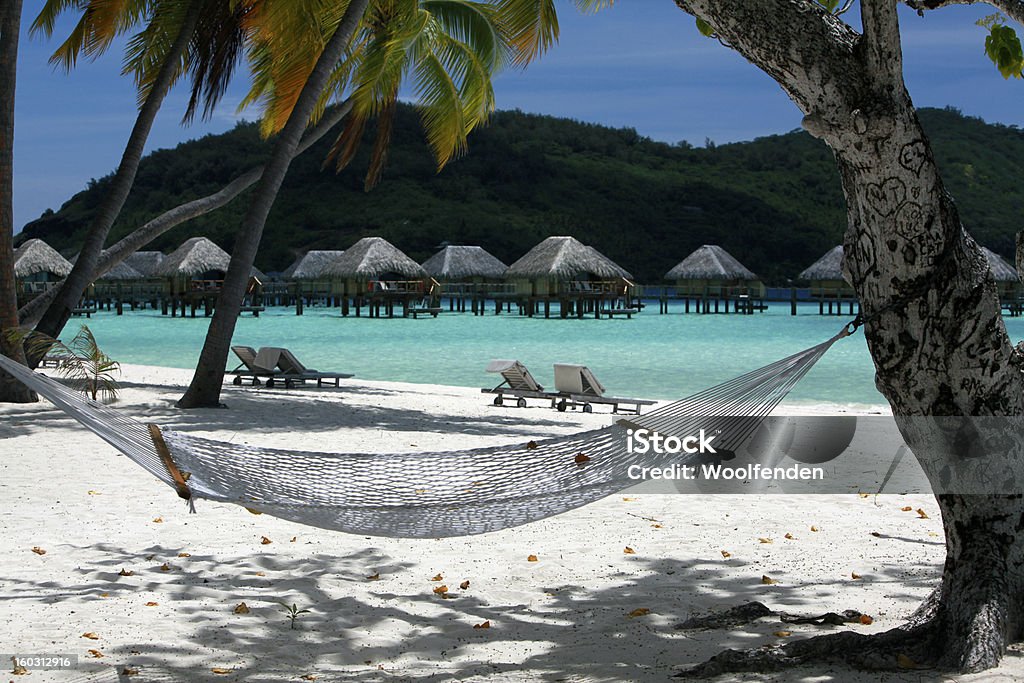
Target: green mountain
{"x": 775, "y": 203}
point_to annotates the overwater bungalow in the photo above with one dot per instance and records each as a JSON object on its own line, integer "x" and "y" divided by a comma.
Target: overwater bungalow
{"x": 828, "y": 285}
{"x": 37, "y": 266}
{"x": 375, "y": 273}
{"x": 467, "y": 272}
{"x": 114, "y": 287}
{"x": 1007, "y": 282}
{"x": 306, "y": 278}
{"x": 194, "y": 274}
{"x": 578, "y": 277}
{"x": 714, "y": 279}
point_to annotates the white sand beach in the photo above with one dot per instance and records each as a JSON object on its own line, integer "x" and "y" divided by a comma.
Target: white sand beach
{"x": 94, "y": 545}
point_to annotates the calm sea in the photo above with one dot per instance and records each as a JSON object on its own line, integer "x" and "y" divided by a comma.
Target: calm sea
{"x": 652, "y": 355}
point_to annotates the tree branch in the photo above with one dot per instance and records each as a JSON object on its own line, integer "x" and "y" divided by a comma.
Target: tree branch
{"x": 883, "y": 52}
{"x": 1011, "y": 8}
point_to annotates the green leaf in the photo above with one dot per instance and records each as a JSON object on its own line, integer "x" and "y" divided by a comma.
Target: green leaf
{"x": 705, "y": 28}
{"x": 1004, "y": 49}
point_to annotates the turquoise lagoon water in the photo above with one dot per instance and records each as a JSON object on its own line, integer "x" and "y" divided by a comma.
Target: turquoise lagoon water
{"x": 652, "y": 355}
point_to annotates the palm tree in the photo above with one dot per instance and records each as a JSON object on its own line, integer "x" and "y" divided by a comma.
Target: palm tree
{"x": 450, "y": 48}
{"x": 10, "y": 22}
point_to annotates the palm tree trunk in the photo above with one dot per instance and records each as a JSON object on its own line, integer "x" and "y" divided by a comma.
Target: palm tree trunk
{"x": 204, "y": 390}
{"x": 11, "y": 391}
{"x": 57, "y": 315}
{"x": 128, "y": 245}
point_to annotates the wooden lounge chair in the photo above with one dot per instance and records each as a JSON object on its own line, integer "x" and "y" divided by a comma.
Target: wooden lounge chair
{"x": 577, "y": 386}
{"x": 250, "y": 367}
{"x": 292, "y": 371}
{"x": 517, "y": 382}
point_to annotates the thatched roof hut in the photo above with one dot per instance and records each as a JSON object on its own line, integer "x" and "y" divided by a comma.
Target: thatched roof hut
{"x": 146, "y": 262}
{"x": 35, "y": 258}
{"x": 121, "y": 272}
{"x": 828, "y": 267}
{"x": 372, "y": 258}
{"x": 455, "y": 263}
{"x": 1001, "y": 270}
{"x": 710, "y": 262}
{"x": 311, "y": 265}
{"x": 197, "y": 256}
{"x": 564, "y": 258}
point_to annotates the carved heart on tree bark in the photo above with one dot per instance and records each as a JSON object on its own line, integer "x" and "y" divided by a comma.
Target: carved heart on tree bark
{"x": 885, "y": 198}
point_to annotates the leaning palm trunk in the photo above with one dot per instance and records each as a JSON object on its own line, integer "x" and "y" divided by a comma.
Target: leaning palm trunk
{"x": 932, "y": 317}
{"x": 10, "y": 22}
{"x": 204, "y": 389}
{"x": 57, "y": 315}
{"x": 128, "y": 245}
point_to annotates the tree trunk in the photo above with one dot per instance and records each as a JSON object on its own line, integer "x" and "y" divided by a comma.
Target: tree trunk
{"x": 140, "y": 237}
{"x": 204, "y": 390}
{"x": 932, "y": 316}
{"x": 11, "y": 390}
{"x": 57, "y": 315}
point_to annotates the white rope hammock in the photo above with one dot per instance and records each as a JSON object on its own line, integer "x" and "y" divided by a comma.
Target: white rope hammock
{"x": 429, "y": 494}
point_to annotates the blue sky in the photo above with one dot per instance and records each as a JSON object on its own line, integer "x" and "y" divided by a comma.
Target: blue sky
{"x": 640, "y": 63}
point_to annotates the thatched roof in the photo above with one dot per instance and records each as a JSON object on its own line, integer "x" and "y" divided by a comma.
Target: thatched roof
{"x": 195, "y": 256}
{"x": 372, "y": 257}
{"x": 564, "y": 258}
{"x": 311, "y": 265}
{"x": 122, "y": 271}
{"x": 146, "y": 262}
{"x": 710, "y": 262}
{"x": 828, "y": 267}
{"x": 458, "y": 263}
{"x": 1001, "y": 270}
{"x": 36, "y": 256}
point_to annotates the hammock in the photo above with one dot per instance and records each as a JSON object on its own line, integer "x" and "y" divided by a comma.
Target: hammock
{"x": 430, "y": 494}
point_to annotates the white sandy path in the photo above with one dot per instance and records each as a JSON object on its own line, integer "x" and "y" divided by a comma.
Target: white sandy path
{"x": 564, "y": 617}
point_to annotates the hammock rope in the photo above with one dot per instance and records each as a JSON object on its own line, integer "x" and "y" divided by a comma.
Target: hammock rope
{"x": 431, "y": 494}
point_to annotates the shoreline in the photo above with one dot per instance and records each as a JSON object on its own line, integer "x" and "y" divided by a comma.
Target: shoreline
{"x": 161, "y": 588}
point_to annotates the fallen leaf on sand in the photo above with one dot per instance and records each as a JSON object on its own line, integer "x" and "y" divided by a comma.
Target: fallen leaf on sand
{"x": 265, "y": 541}
{"x": 254, "y": 511}
{"x": 854, "y": 575}
{"x": 783, "y": 634}
{"x": 373, "y": 577}
{"x": 308, "y": 677}
{"x": 876, "y": 534}
{"x": 628, "y": 500}
{"x": 38, "y": 551}
{"x": 129, "y": 672}
{"x": 19, "y": 670}
{"x": 628, "y": 551}
{"x": 906, "y": 509}
{"x": 220, "y": 670}
{"x": 765, "y": 540}
{"x": 152, "y": 604}
{"x": 437, "y": 577}
{"x": 241, "y": 608}
{"x": 921, "y": 514}
{"x": 95, "y": 493}
{"x": 260, "y": 573}
{"x": 125, "y": 572}
{"x": 767, "y": 580}
{"x": 90, "y": 635}
{"x": 814, "y": 528}
{"x": 530, "y": 445}
{"x": 486, "y": 624}
{"x": 441, "y": 590}
{"x": 790, "y": 537}
{"x": 165, "y": 567}
{"x": 294, "y": 538}
{"x": 656, "y": 526}
{"x": 95, "y": 654}
{"x": 863, "y": 495}
{"x": 158, "y": 520}
{"x": 726, "y": 554}
{"x": 866, "y": 620}
{"x": 639, "y": 612}
{"x": 581, "y": 458}
{"x": 464, "y": 585}
{"x": 184, "y": 554}
{"x": 104, "y": 595}
{"x": 532, "y": 558}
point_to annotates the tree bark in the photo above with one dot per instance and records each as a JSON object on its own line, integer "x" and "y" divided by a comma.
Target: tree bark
{"x": 140, "y": 237}
{"x": 11, "y": 390}
{"x": 204, "y": 390}
{"x": 932, "y": 316}
{"x": 59, "y": 312}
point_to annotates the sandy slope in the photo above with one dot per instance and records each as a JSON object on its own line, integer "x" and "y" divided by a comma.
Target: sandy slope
{"x": 564, "y": 617}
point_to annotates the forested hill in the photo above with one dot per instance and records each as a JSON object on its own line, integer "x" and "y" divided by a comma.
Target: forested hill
{"x": 775, "y": 203}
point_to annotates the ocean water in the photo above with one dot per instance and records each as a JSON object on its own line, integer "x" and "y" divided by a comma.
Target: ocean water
{"x": 652, "y": 355}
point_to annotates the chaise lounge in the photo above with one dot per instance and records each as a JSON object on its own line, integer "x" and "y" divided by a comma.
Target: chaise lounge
{"x": 517, "y": 382}
{"x": 577, "y": 386}
{"x": 291, "y": 370}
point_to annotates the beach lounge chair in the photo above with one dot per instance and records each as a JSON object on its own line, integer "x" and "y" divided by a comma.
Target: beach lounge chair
{"x": 516, "y": 381}
{"x": 291, "y": 370}
{"x": 250, "y": 367}
{"x": 577, "y": 386}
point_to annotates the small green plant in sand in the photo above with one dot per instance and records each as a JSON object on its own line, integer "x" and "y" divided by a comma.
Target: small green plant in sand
{"x": 81, "y": 360}
{"x": 293, "y": 612}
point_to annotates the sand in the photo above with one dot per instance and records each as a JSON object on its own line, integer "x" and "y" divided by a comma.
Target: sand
{"x": 160, "y": 589}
